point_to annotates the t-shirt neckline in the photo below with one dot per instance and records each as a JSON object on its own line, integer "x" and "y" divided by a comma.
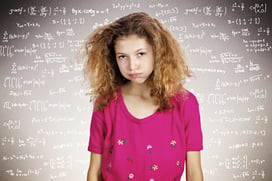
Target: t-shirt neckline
{"x": 129, "y": 115}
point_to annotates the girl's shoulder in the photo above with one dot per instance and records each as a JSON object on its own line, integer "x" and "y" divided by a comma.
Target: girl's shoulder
{"x": 185, "y": 97}
{"x": 101, "y": 103}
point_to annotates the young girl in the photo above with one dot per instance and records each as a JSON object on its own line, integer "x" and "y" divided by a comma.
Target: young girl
{"x": 145, "y": 126}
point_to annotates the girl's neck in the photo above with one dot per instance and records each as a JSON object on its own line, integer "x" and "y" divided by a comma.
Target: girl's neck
{"x": 141, "y": 90}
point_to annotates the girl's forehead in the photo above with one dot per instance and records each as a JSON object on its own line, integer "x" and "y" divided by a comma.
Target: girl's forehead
{"x": 131, "y": 42}
{"x": 130, "y": 37}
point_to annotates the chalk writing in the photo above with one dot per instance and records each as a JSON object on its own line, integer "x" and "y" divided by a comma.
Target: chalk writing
{"x": 46, "y": 113}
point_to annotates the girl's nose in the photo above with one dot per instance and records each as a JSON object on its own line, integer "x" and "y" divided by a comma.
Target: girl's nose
{"x": 133, "y": 64}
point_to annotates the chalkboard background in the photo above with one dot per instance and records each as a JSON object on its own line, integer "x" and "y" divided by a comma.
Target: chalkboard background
{"x": 45, "y": 114}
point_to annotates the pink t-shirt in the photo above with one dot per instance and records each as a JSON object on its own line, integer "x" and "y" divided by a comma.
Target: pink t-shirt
{"x": 149, "y": 149}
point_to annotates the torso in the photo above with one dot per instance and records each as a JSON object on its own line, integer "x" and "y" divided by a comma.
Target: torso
{"x": 149, "y": 148}
{"x": 142, "y": 143}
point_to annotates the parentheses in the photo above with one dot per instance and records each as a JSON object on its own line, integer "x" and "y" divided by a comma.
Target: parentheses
{"x": 5, "y": 82}
{"x": 29, "y": 10}
{"x": 45, "y": 106}
{"x": 19, "y": 82}
{"x": 258, "y": 20}
{"x": 225, "y": 14}
{"x": 237, "y": 21}
{"x": 50, "y": 11}
{"x": 30, "y": 105}
{"x": 203, "y": 10}
{"x": 263, "y": 132}
{"x": 11, "y": 48}
{"x": 177, "y": 10}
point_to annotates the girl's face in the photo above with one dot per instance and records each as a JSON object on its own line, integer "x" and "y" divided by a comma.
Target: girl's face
{"x": 135, "y": 58}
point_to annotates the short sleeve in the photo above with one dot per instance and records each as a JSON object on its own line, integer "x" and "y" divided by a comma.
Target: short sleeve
{"x": 193, "y": 131}
{"x": 97, "y": 133}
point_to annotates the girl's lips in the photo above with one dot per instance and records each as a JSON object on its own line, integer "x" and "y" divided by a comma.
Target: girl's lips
{"x": 134, "y": 75}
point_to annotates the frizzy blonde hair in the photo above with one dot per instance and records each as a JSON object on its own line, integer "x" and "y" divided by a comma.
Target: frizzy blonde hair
{"x": 102, "y": 72}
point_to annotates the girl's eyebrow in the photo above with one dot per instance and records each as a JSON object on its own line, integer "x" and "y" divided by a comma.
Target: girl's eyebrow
{"x": 141, "y": 49}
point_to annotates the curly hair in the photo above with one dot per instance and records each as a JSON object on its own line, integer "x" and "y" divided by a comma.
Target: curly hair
{"x": 102, "y": 72}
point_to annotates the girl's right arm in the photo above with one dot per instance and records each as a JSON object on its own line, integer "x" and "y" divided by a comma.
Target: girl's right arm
{"x": 94, "y": 172}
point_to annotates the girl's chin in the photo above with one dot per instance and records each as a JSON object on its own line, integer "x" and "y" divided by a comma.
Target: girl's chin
{"x": 138, "y": 82}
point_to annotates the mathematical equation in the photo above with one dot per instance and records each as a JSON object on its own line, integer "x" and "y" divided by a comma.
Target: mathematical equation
{"x": 46, "y": 113}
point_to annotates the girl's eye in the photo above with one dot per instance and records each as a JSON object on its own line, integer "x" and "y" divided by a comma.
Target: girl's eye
{"x": 141, "y": 54}
{"x": 121, "y": 57}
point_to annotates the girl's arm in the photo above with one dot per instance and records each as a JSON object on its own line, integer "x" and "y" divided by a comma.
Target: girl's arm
{"x": 193, "y": 166}
{"x": 94, "y": 172}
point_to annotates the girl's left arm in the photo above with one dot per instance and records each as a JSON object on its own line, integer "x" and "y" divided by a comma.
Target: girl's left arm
{"x": 193, "y": 166}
